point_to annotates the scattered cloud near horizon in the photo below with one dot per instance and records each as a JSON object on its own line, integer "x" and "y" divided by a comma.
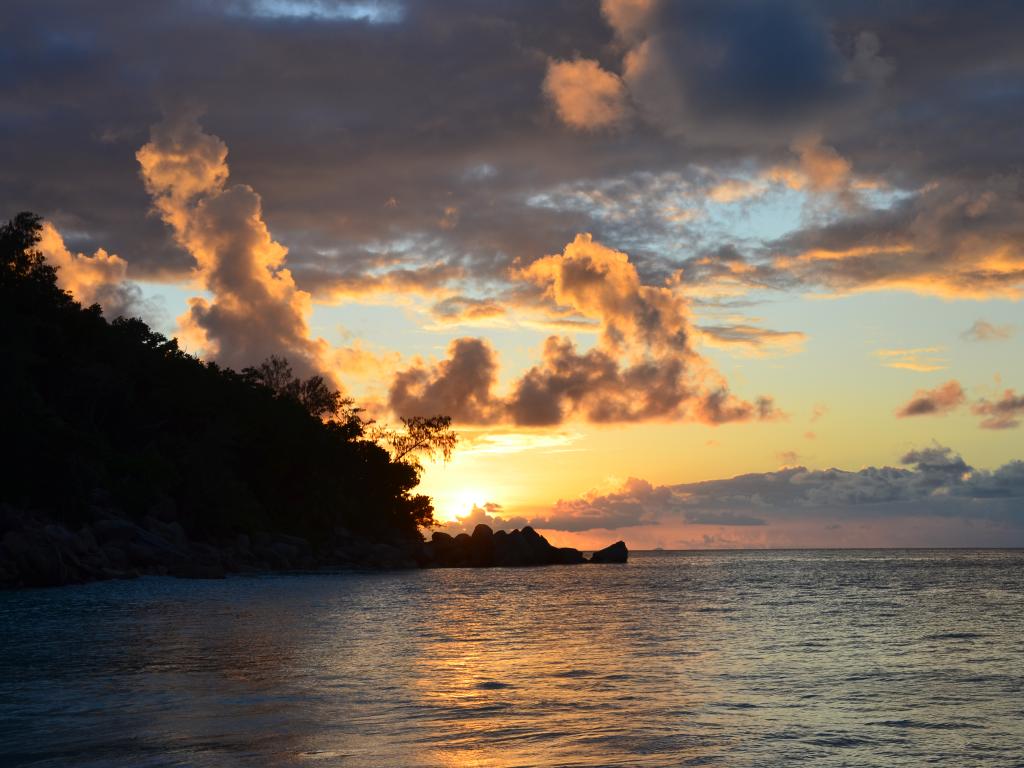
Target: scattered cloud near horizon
{"x": 941, "y": 400}
{"x": 1002, "y": 413}
{"x": 982, "y": 330}
{"x": 921, "y": 359}
{"x": 932, "y": 483}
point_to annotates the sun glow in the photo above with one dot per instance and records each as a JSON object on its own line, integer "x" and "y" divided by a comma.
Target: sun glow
{"x": 458, "y": 503}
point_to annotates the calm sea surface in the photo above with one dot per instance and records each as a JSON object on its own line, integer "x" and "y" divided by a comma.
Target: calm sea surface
{"x": 816, "y": 658}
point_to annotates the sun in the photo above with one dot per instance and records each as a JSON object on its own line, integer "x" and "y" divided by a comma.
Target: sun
{"x": 459, "y": 503}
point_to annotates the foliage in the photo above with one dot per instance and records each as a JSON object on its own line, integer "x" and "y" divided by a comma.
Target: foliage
{"x": 419, "y": 438}
{"x": 102, "y": 413}
{"x": 313, "y": 393}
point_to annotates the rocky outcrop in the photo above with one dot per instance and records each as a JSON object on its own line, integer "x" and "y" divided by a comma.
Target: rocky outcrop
{"x": 487, "y": 548}
{"x": 616, "y": 553}
{"x": 39, "y": 552}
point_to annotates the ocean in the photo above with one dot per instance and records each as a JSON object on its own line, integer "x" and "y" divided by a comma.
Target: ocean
{"x": 769, "y": 658}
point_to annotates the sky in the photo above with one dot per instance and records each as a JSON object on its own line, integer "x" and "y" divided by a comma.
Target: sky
{"x": 688, "y": 274}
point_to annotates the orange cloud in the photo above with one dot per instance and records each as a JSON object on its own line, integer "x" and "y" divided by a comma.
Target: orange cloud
{"x": 100, "y": 278}
{"x": 601, "y": 283}
{"x": 256, "y": 309}
{"x": 1004, "y": 413}
{"x": 751, "y": 340}
{"x": 585, "y": 96}
{"x": 642, "y": 368}
{"x": 629, "y": 18}
{"x": 732, "y": 190}
{"x": 921, "y": 359}
{"x": 940, "y": 400}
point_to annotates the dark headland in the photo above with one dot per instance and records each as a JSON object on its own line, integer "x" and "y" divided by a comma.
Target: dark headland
{"x": 123, "y": 455}
{"x": 37, "y": 552}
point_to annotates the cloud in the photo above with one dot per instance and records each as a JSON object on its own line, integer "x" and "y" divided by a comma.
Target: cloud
{"x": 490, "y": 514}
{"x": 98, "y": 279}
{"x": 732, "y": 190}
{"x": 920, "y": 359}
{"x": 951, "y": 238}
{"x": 376, "y": 277}
{"x": 594, "y": 386}
{"x": 456, "y": 310}
{"x": 926, "y": 109}
{"x": 983, "y": 330}
{"x": 585, "y": 96}
{"x": 459, "y": 387}
{"x": 637, "y": 502}
{"x": 1004, "y": 413}
{"x": 646, "y": 325}
{"x": 934, "y": 482}
{"x": 941, "y": 400}
{"x": 751, "y": 340}
{"x": 643, "y": 367}
{"x": 788, "y": 458}
{"x": 601, "y": 283}
{"x": 629, "y": 18}
{"x": 256, "y": 309}
{"x": 704, "y": 67}
{"x": 821, "y": 170}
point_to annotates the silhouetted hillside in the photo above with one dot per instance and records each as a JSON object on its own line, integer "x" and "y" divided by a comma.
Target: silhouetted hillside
{"x": 112, "y": 421}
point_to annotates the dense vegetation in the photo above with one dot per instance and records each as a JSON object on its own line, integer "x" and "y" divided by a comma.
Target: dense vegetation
{"x": 112, "y": 414}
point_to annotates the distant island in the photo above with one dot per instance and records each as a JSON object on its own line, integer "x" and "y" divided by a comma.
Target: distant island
{"x": 127, "y": 456}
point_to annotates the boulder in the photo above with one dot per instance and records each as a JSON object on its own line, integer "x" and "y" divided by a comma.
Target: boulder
{"x": 616, "y": 553}
{"x": 115, "y": 531}
{"x": 481, "y": 554}
{"x": 569, "y": 556}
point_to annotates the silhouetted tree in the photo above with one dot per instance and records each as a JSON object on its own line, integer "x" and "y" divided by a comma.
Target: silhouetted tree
{"x": 319, "y": 400}
{"x": 97, "y": 413}
{"x": 420, "y": 437}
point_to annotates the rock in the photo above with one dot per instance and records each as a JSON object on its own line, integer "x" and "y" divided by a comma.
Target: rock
{"x": 85, "y": 542}
{"x": 509, "y": 549}
{"x": 115, "y": 555}
{"x": 487, "y": 548}
{"x": 165, "y": 510}
{"x": 37, "y": 560}
{"x": 16, "y": 544}
{"x": 148, "y": 550}
{"x": 616, "y": 553}
{"x": 384, "y": 556}
{"x": 570, "y": 556}
{"x": 481, "y": 554}
{"x": 115, "y": 531}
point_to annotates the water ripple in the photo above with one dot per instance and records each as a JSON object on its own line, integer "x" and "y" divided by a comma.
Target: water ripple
{"x": 743, "y": 659}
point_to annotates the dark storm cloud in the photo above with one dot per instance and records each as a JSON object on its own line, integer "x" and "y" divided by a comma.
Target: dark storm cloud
{"x": 423, "y": 130}
{"x": 934, "y": 482}
{"x": 703, "y": 67}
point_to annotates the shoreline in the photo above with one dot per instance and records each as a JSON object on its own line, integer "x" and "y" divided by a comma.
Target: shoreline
{"x": 38, "y": 551}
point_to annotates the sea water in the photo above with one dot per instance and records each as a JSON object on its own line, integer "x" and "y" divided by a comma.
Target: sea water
{"x": 784, "y": 658}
